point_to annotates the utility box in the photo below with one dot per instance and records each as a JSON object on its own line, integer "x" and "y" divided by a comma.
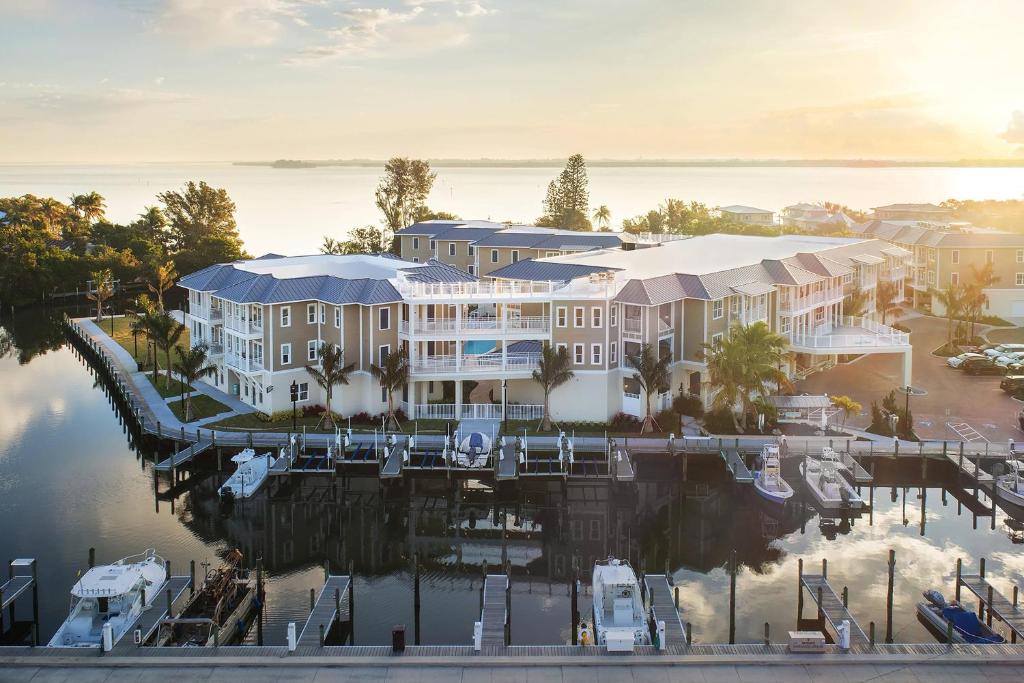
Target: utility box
{"x": 398, "y": 638}
{"x": 806, "y": 641}
{"x": 478, "y": 635}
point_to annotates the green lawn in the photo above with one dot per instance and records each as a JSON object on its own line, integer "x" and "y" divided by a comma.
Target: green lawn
{"x": 123, "y": 336}
{"x": 175, "y": 389}
{"x": 202, "y": 406}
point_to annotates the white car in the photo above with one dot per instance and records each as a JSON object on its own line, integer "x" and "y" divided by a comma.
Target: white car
{"x": 957, "y": 361}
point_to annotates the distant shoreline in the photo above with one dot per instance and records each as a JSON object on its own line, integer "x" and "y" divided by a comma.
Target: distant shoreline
{"x": 650, "y": 163}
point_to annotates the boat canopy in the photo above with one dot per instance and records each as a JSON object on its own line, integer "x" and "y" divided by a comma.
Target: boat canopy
{"x": 615, "y": 574}
{"x": 107, "y": 581}
{"x": 244, "y": 457}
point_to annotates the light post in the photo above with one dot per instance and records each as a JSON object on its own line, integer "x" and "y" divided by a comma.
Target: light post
{"x": 295, "y": 397}
{"x": 504, "y": 406}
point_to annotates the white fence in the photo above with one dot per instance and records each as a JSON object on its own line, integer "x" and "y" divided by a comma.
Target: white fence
{"x": 477, "y": 411}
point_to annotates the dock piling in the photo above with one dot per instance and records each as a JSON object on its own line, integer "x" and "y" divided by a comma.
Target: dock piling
{"x": 92, "y": 557}
{"x": 988, "y": 612}
{"x": 312, "y": 599}
{"x": 767, "y": 634}
{"x": 959, "y": 573}
{"x": 799, "y": 589}
{"x": 888, "y": 596}
{"x": 846, "y": 597}
{"x": 732, "y": 597}
{"x": 689, "y": 633}
{"x": 871, "y": 633}
{"x": 192, "y": 577}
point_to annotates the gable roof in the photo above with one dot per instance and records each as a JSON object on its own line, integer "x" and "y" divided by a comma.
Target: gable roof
{"x": 547, "y": 271}
{"x": 437, "y": 271}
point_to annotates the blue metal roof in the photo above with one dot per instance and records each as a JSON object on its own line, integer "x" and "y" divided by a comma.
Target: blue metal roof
{"x": 547, "y": 271}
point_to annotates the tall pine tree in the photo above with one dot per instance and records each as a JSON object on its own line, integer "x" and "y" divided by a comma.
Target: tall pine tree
{"x": 566, "y": 204}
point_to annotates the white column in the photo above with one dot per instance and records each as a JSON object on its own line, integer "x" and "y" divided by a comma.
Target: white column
{"x": 458, "y": 399}
{"x": 908, "y": 362}
{"x": 411, "y": 403}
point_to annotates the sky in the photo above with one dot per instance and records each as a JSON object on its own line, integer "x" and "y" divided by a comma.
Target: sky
{"x": 119, "y": 81}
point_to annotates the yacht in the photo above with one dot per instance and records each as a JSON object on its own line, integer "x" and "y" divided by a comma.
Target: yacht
{"x": 251, "y": 473}
{"x": 768, "y": 481}
{"x": 828, "y": 487}
{"x": 619, "y": 622}
{"x": 115, "y": 595}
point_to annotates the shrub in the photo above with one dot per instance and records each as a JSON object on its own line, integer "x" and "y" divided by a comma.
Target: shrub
{"x": 900, "y": 327}
{"x": 668, "y": 420}
{"x": 624, "y": 422}
{"x": 688, "y": 404}
{"x": 719, "y": 421}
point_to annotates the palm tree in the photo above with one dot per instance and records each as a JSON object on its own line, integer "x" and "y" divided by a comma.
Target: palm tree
{"x": 745, "y": 366}
{"x": 553, "y": 370}
{"x": 975, "y": 298}
{"x": 847, "y": 405}
{"x": 653, "y": 376}
{"x": 856, "y": 303}
{"x": 164, "y": 278}
{"x": 602, "y": 217}
{"x": 192, "y": 366}
{"x": 89, "y": 206}
{"x": 329, "y": 372}
{"x": 952, "y": 299}
{"x": 51, "y": 212}
{"x": 886, "y": 302}
{"x": 139, "y": 323}
{"x": 103, "y": 289}
{"x": 392, "y": 374}
{"x": 166, "y": 332}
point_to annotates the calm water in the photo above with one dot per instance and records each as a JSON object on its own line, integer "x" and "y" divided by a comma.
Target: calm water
{"x": 69, "y": 480}
{"x": 290, "y": 210}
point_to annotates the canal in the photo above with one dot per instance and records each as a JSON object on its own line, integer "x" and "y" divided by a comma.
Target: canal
{"x": 70, "y": 480}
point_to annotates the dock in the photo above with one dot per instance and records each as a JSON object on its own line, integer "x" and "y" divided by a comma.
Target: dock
{"x": 183, "y": 456}
{"x": 149, "y": 621}
{"x": 662, "y": 602}
{"x": 831, "y": 608}
{"x": 392, "y": 467}
{"x": 734, "y": 462}
{"x": 494, "y": 614}
{"x": 22, "y": 579}
{"x": 331, "y": 604}
{"x": 622, "y": 465}
{"x": 995, "y": 603}
{"x": 507, "y": 466}
{"x": 969, "y": 468}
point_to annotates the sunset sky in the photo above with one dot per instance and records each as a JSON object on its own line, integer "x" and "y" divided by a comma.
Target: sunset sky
{"x": 195, "y": 80}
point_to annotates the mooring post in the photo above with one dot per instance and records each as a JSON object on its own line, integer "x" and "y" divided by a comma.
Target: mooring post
{"x": 1013, "y": 633}
{"x": 824, "y": 568}
{"x": 191, "y": 577}
{"x": 959, "y": 571}
{"x": 92, "y": 557}
{"x": 689, "y": 634}
{"x": 677, "y": 596}
{"x": 312, "y": 599}
{"x": 846, "y": 597}
{"x": 821, "y": 611}
{"x": 767, "y": 634}
{"x": 949, "y": 633}
{"x": 988, "y": 611}
{"x": 508, "y": 608}
{"x": 732, "y": 597}
{"x": 871, "y": 633}
{"x": 799, "y": 589}
{"x": 888, "y": 596}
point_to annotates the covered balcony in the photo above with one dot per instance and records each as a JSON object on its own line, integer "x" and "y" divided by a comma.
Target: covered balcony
{"x": 470, "y": 363}
{"x": 479, "y": 325}
{"x": 850, "y": 335}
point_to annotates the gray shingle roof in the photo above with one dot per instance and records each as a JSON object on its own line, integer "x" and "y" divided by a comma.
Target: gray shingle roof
{"x": 267, "y": 289}
{"x": 436, "y": 271}
{"x": 528, "y": 269}
{"x": 429, "y": 227}
{"x": 215, "y": 277}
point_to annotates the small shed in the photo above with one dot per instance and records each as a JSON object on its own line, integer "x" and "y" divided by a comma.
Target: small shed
{"x": 812, "y": 410}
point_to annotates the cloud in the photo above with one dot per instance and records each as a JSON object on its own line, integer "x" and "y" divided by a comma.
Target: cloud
{"x": 41, "y": 102}
{"x": 473, "y": 9}
{"x": 219, "y": 23}
{"x": 1014, "y": 133}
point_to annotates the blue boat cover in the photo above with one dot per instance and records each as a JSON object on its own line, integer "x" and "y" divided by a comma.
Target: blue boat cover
{"x": 967, "y": 623}
{"x": 476, "y": 440}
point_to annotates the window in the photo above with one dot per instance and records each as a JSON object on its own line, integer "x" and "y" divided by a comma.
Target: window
{"x": 494, "y": 255}
{"x": 549, "y": 254}
{"x": 472, "y": 269}
{"x": 954, "y": 278}
{"x": 286, "y": 354}
{"x": 415, "y": 259}
{"x": 471, "y": 250}
{"x": 596, "y": 314}
{"x": 716, "y": 309}
{"x": 311, "y": 350}
{"x": 613, "y": 316}
{"x": 578, "y": 319}
{"x": 716, "y": 341}
{"x": 931, "y": 277}
{"x": 286, "y": 316}
{"x": 311, "y": 314}
{"x": 561, "y": 315}
{"x": 955, "y": 256}
{"x": 577, "y": 354}
{"x": 337, "y": 316}
{"x": 451, "y": 248}
{"x": 1020, "y": 256}
{"x": 990, "y": 256}
{"x": 515, "y": 255}
{"x": 415, "y": 242}
{"x": 848, "y": 278}
{"x": 384, "y": 318}
{"x": 785, "y": 324}
{"x": 303, "y": 391}
{"x": 561, "y": 347}
{"x": 382, "y": 353}
{"x": 323, "y": 314}
{"x": 613, "y": 352}
{"x": 433, "y": 245}
{"x": 595, "y": 354}
{"x": 1020, "y": 279}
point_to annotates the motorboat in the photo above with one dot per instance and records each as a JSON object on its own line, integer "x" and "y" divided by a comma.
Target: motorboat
{"x": 251, "y": 473}
{"x": 768, "y": 481}
{"x": 1011, "y": 485}
{"x": 619, "y": 619}
{"x": 219, "y": 613}
{"x": 113, "y": 595}
{"x": 474, "y": 450}
{"x": 829, "y": 488}
{"x": 937, "y": 614}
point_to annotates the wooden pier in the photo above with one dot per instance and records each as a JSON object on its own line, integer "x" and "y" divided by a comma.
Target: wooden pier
{"x": 494, "y": 614}
{"x": 183, "y": 456}
{"x": 831, "y": 608}
{"x": 149, "y": 621}
{"x": 969, "y": 468}
{"x": 994, "y": 602}
{"x": 662, "y": 601}
{"x": 331, "y": 606}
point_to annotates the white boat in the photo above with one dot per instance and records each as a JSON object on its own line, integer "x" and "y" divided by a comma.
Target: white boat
{"x": 619, "y": 622}
{"x": 474, "y": 450}
{"x": 828, "y": 487}
{"x": 251, "y": 473}
{"x": 1011, "y": 485}
{"x": 768, "y": 481}
{"x": 115, "y": 595}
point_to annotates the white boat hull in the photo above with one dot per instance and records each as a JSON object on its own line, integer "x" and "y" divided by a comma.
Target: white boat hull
{"x": 770, "y": 493}
{"x": 248, "y": 478}
{"x": 832, "y": 498}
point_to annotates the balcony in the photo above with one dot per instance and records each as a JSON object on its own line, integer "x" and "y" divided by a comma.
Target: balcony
{"x": 800, "y": 304}
{"x": 498, "y": 290}
{"x": 241, "y": 363}
{"x": 632, "y": 328}
{"x": 216, "y": 315}
{"x": 215, "y": 351}
{"x": 245, "y": 327}
{"x": 894, "y": 274}
{"x": 477, "y": 411}
{"x": 851, "y": 335}
{"x": 481, "y": 326}
{"x": 473, "y": 363}
{"x": 199, "y": 312}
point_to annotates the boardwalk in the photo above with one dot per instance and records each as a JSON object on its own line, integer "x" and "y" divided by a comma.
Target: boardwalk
{"x": 1004, "y": 610}
{"x": 969, "y": 468}
{"x": 151, "y": 618}
{"x": 183, "y": 456}
{"x": 333, "y": 595}
{"x": 663, "y": 603}
{"x": 832, "y": 608}
{"x": 494, "y": 616}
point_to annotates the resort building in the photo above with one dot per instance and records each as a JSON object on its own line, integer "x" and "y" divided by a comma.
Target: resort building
{"x": 911, "y": 212}
{"x": 944, "y": 254}
{"x": 473, "y": 342}
{"x": 816, "y": 218}
{"x": 747, "y": 214}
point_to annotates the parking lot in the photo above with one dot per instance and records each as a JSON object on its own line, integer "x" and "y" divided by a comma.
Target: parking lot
{"x": 956, "y": 406}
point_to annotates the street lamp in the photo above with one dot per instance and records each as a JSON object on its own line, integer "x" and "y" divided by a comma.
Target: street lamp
{"x": 295, "y": 397}
{"x": 504, "y": 406}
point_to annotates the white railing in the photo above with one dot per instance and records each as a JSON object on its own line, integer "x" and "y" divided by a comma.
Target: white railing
{"x": 199, "y": 311}
{"x": 789, "y": 304}
{"x": 242, "y": 363}
{"x": 524, "y": 411}
{"x": 434, "y": 411}
{"x": 243, "y": 325}
{"x": 753, "y": 315}
{"x": 214, "y": 350}
{"x": 477, "y": 411}
{"x": 482, "y": 325}
{"x": 513, "y": 362}
{"x": 895, "y": 274}
{"x": 506, "y": 289}
{"x": 632, "y": 326}
{"x": 845, "y": 334}
{"x": 216, "y": 315}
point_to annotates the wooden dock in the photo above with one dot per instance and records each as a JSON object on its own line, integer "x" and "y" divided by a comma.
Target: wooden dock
{"x": 149, "y": 621}
{"x": 969, "y": 468}
{"x": 330, "y": 606}
{"x": 183, "y": 456}
{"x": 741, "y": 474}
{"x": 995, "y": 602}
{"x": 494, "y": 615}
{"x": 662, "y": 601}
{"x": 832, "y": 608}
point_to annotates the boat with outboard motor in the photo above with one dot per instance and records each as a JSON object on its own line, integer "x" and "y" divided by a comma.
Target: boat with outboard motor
{"x": 619, "y": 617}
{"x": 937, "y": 614}
{"x": 829, "y": 488}
{"x": 112, "y": 595}
{"x": 474, "y": 451}
{"x": 1011, "y": 484}
{"x": 251, "y": 473}
{"x": 768, "y": 481}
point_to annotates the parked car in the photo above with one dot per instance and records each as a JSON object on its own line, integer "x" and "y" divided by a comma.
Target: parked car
{"x": 1003, "y": 350}
{"x": 982, "y": 366}
{"x": 1009, "y": 359}
{"x": 1012, "y": 384}
{"x": 957, "y": 361}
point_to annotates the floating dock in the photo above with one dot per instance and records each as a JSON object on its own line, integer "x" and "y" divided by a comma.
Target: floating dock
{"x": 331, "y": 606}
{"x": 734, "y": 462}
{"x": 993, "y": 601}
{"x": 494, "y": 614}
{"x": 149, "y": 620}
{"x": 183, "y": 456}
{"x": 662, "y": 601}
{"x": 22, "y": 579}
{"x": 831, "y": 607}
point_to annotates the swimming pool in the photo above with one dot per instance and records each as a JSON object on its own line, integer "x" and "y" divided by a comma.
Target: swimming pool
{"x": 478, "y": 346}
